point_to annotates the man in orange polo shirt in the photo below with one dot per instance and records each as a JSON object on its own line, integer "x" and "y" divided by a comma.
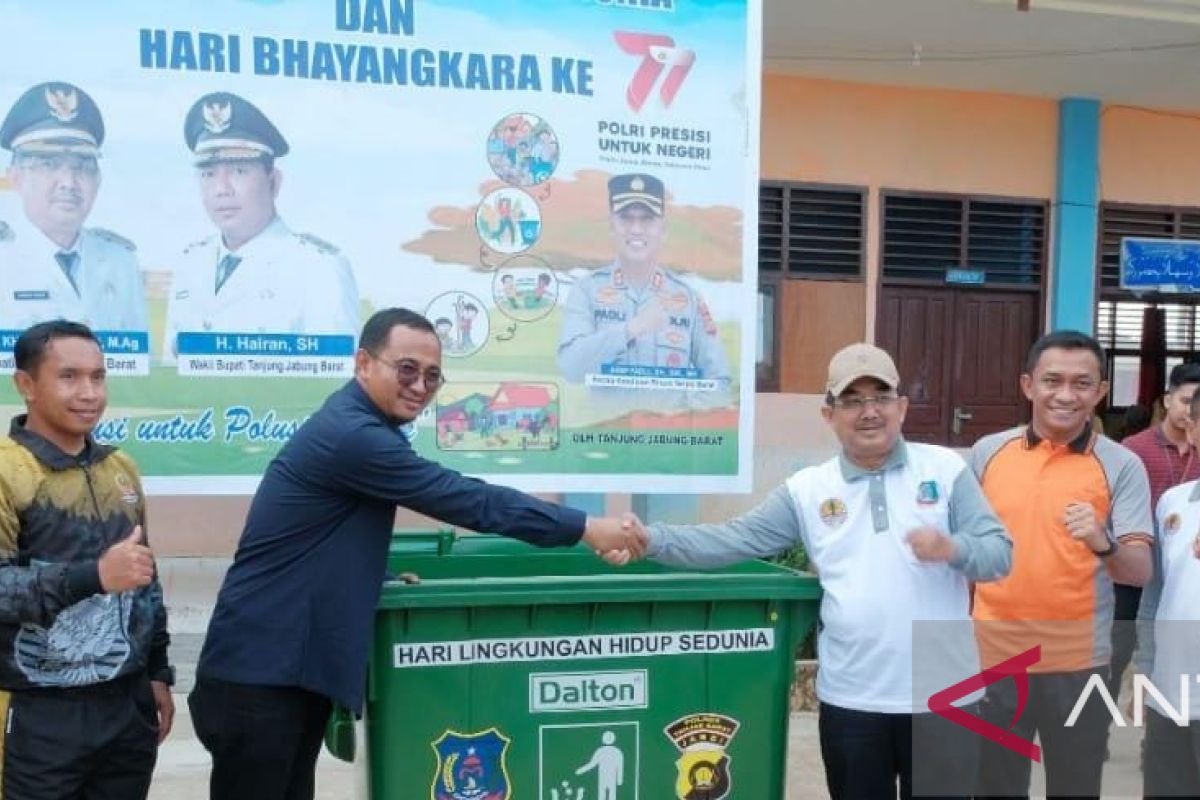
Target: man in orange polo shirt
{"x": 1077, "y": 506}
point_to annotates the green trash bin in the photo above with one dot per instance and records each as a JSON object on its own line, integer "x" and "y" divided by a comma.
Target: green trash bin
{"x": 515, "y": 673}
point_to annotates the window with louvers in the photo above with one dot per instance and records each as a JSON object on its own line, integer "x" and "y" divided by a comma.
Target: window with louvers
{"x": 1119, "y": 311}
{"x": 924, "y": 236}
{"x": 1119, "y": 221}
{"x": 1119, "y": 326}
{"x": 807, "y": 231}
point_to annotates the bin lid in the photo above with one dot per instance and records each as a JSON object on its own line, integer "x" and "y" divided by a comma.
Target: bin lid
{"x": 507, "y": 575}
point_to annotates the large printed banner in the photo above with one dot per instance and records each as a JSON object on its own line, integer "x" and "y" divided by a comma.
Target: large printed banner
{"x": 226, "y": 189}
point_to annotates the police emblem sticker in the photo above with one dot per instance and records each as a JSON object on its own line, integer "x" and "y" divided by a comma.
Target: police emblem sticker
{"x": 927, "y": 493}
{"x": 833, "y": 512}
{"x": 703, "y": 764}
{"x": 1171, "y": 523}
{"x": 471, "y": 766}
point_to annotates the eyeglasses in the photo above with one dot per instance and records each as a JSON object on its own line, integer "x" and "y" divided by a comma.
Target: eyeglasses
{"x": 858, "y": 403}
{"x": 76, "y": 165}
{"x": 408, "y": 371}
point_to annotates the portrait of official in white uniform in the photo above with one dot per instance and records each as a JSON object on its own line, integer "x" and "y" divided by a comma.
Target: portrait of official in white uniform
{"x": 51, "y": 265}
{"x": 254, "y": 274}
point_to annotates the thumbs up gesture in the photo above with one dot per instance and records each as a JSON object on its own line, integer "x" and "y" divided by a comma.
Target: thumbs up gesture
{"x": 127, "y": 565}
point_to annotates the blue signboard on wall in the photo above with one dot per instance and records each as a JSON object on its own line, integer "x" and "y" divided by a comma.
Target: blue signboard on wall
{"x": 1160, "y": 265}
{"x": 972, "y": 277}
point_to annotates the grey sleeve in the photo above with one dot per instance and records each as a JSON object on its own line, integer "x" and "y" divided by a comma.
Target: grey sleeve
{"x": 984, "y": 450}
{"x": 1143, "y": 656}
{"x": 975, "y": 462}
{"x": 582, "y": 348}
{"x": 37, "y": 594}
{"x": 1131, "y": 513}
{"x": 984, "y": 546}
{"x": 768, "y": 529}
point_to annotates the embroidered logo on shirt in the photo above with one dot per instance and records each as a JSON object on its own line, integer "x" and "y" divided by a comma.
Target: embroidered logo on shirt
{"x": 1171, "y": 523}
{"x": 125, "y": 486}
{"x": 833, "y": 512}
{"x": 927, "y": 493}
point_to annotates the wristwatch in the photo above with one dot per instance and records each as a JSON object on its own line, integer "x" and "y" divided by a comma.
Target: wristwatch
{"x": 1108, "y": 551}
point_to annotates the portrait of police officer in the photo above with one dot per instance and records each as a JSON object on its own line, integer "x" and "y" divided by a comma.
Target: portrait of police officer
{"x": 254, "y": 274}
{"x": 51, "y": 265}
{"x": 635, "y": 312}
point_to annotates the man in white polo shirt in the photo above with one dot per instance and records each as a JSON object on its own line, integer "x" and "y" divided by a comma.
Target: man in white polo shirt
{"x": 896, "y": 531}
{"x": 1168, "y": 647}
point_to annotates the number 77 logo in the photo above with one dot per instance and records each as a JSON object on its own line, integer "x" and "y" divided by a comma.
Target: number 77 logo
{"x": 1016, "y": 668}
{"x": 658, "y": 52}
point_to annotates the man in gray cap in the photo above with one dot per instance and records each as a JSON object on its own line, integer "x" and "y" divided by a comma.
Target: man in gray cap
{"x": 51, "y": 266}
{"x": 256, "y": 275}
{"x": 637, "y": 319}
{"x": 897, "y": 532}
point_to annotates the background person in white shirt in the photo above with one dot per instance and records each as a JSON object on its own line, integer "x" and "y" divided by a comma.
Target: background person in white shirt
{"x": 1169, "y": 640}
{"x": 895, "y": 531}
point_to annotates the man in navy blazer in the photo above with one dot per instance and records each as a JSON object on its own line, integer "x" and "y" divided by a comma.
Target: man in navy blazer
{"x": 291, "y": 629}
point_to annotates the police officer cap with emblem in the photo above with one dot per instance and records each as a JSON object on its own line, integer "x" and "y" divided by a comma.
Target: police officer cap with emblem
{"x": 222, "y": 127}
{"x": 53, "y": 118}
{"x": 635, "y": 189}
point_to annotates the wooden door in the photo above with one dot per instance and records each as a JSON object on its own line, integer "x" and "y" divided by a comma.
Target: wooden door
{"x": 915, "y": 328}
{"x": 960, "y": 353}
{"x": 993, "y": 332}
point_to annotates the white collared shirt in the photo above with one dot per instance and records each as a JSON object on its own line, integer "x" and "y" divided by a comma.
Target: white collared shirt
{"x": 894, "y": 629}
{"x": 1169, "y": 612}
{"x": 34, "y": 288}
{"x": 284, "y": 283}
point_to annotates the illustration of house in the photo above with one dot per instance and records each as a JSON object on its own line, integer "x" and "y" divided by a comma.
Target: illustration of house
{"x": 521, "y": 405}
{"x": 467, "y": 414}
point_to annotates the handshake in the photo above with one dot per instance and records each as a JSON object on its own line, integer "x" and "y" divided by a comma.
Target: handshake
{"x": 618, "y": 540}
